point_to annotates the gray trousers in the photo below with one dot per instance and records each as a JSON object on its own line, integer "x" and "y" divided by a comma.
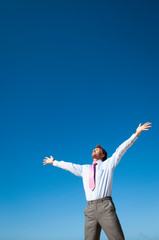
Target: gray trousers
{"x": 101, "y": 214}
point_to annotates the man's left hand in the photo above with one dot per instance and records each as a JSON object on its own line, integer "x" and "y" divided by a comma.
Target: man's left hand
{"x": 143, "y": 127}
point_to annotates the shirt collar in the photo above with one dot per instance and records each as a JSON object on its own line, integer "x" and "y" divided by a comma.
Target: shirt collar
{"x": 99, "y": 161}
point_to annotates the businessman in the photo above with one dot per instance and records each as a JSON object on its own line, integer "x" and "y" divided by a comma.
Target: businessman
{"x": 100, "y": 212}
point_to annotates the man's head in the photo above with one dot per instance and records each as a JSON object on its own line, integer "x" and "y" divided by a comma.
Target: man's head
{"x": 99, "y": 153}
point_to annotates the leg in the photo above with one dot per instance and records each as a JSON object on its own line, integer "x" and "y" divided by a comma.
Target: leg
{"x": 92, "y": 227}
{"x": 110, "y": 222}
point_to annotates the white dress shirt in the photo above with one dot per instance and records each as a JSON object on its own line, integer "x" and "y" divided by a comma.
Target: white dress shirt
{"x": 103, "y": 171}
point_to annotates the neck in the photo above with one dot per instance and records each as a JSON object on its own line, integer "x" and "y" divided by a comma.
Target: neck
{"x": 96, "y": 159}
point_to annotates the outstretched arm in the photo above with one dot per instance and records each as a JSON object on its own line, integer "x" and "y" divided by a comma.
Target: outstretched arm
{"x": 76, "y": 169}
{"x": 128, "y": 143}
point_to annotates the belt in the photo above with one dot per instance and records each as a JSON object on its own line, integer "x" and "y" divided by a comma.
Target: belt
{"x": 100, "y": 200}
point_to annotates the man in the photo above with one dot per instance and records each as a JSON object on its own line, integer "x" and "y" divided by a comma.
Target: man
{"x": 97, "y": 180}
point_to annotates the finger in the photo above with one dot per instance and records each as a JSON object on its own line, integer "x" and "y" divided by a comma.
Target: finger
{"x": 147, "y": 127}
{"x": 148, "y": 123}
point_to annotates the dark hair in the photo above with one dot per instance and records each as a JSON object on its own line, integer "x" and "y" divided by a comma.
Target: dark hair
{"x": 104, "y": 152}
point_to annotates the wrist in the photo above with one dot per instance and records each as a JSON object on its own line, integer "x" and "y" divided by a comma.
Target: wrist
{"x": 138, "y": 133}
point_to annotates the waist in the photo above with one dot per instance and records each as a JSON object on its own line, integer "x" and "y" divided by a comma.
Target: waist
{"x": 100, "y": 200}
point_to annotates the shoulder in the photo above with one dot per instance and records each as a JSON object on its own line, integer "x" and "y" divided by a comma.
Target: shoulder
{"x": 107, "y": 162}
{"x": 86, "y": 166}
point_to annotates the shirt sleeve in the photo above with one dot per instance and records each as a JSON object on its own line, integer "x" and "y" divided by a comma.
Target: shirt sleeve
{"x": 116, "y": 157}
{"x": 76, "y": 169}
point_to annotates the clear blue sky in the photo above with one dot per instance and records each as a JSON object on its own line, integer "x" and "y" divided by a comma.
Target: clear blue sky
{"x": 74, "y": 74}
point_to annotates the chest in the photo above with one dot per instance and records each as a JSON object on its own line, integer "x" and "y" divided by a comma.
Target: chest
{"x": 100, "y": 173}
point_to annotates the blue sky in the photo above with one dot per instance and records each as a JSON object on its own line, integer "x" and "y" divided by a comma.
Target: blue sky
{"x": 75, "y": 74}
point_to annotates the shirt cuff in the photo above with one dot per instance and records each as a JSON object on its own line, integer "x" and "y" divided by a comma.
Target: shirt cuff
{"x": 134, "y": 136}
{"x": 55, "y": 163}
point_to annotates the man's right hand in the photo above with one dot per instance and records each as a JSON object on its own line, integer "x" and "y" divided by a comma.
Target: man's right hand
{"x": 48, "y": 160}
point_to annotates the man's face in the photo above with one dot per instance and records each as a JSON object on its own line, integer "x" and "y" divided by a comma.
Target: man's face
{"x": 97, "y": 153}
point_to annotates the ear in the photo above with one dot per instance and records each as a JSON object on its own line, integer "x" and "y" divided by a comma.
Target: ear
{"x": 103, "y": 155}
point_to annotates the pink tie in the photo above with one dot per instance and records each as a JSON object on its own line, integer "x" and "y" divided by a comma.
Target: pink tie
{"x": 92, "y": 176}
